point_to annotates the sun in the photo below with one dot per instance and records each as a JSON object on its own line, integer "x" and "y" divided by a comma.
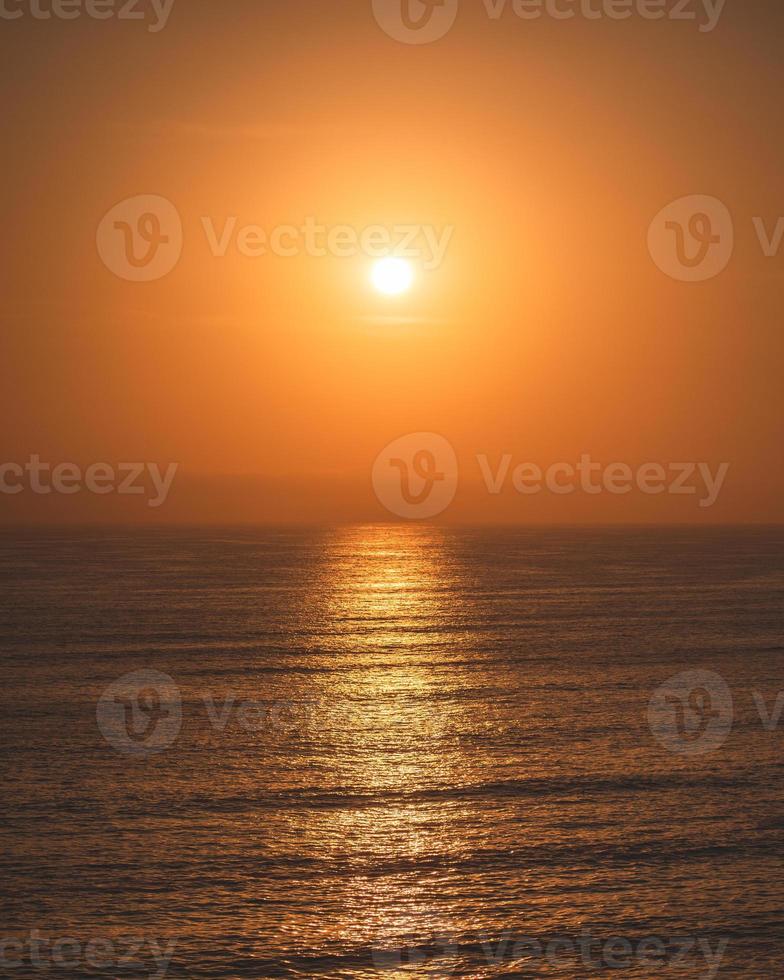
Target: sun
{"x": 393, "y": 276}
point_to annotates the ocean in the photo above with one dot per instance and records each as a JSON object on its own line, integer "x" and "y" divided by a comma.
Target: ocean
{"x": 392, "y": 751}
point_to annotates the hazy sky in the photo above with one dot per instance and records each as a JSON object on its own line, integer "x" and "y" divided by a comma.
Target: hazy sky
{"x": 546, "y": 146}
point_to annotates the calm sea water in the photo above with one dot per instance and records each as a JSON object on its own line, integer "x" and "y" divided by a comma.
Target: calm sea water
{"x": 390, "y": 751}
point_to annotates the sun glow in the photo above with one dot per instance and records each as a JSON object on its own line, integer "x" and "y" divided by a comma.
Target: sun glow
{"x": 393, "y": 276}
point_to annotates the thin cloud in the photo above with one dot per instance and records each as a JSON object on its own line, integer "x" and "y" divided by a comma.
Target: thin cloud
{"x": 261, "y": 132}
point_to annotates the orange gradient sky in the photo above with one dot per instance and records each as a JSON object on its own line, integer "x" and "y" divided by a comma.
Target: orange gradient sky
{"x": 547, "y": 332}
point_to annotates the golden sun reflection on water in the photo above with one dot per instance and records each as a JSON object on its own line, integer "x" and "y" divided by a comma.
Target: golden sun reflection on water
{"x": 384, "y": 598}
{"x": 391, "y": 582}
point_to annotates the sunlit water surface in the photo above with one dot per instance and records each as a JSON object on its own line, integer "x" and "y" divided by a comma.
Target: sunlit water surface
{"x": 454, "y": 748}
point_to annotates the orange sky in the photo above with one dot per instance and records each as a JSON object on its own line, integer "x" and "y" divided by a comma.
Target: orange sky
{"x": 548, "y": 331}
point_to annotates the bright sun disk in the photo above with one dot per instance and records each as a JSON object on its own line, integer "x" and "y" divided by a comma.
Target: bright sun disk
{"x": 393, "y": 276}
